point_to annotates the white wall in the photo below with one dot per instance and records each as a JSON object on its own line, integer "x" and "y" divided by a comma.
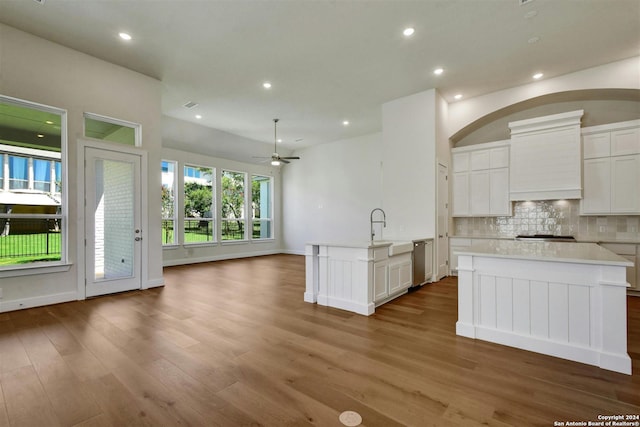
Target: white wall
{"x": 409, "y": 159}
{"x": 37, "y": 70}
{"x": 329, "y": 193}
{"x": 185, "y": 254}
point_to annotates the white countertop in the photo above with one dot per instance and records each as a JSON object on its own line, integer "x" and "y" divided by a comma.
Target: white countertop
{"x": 368, "y": 244}
{"x": 580, "y": 239}
{"x": 581, "y": 253}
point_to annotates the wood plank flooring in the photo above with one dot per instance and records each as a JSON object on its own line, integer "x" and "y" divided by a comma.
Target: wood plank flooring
{"x": 232, "y": 343}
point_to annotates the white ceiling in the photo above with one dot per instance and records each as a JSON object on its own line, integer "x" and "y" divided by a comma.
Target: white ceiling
{"x": 330, "y": 60}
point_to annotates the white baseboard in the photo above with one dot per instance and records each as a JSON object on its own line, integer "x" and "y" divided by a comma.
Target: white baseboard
{"x": 292, "y": 252}
{"x": 20, "y": 304}
{"x": 154, "y": 283}
{"x": 184, "y": 261}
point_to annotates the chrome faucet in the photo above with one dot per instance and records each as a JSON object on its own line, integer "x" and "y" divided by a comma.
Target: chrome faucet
{"x": 384, "y": 221}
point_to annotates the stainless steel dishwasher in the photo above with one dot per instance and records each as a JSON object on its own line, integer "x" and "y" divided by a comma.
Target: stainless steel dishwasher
{"x": 418, "y": 263}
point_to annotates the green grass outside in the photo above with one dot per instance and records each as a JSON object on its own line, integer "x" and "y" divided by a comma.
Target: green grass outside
{"x": 195, "y": 234}
{"x": 14, "y": 247}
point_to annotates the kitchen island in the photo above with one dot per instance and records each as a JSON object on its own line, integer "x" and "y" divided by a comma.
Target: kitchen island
{"x": 357, "y": 276}
{"x": 566, "y": 300}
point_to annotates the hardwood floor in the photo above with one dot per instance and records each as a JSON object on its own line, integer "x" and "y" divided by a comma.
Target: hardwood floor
{"x": 232, "y": 343}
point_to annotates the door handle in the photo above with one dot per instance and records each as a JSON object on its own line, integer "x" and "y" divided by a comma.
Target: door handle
{"x": 440, "y": 236}
{"x": 138, "y": 239}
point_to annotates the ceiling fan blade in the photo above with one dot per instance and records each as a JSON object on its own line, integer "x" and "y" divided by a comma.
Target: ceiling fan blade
{"x": 282, "y": 159}
{"x": 291, "y": 158}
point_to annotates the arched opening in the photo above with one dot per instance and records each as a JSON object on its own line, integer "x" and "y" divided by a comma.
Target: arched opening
{"x": 601, "y": 106}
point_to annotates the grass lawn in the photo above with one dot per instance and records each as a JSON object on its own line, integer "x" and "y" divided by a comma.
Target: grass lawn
{"x": 26, "y": 248}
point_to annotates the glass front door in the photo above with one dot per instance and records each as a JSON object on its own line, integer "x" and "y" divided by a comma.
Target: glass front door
{"x": 112, "y": 212}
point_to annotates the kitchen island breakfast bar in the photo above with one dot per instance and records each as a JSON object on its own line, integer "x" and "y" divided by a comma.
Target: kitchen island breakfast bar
{"x": 566, "y": 300}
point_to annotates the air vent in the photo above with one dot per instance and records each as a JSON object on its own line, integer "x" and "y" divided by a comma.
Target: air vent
{"x": 189, "y": 104}
{"x": 523, "y": 2}
{"x": 39, "y": 1}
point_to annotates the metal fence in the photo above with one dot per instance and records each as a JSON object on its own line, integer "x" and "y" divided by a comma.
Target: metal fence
{"x": 29, "y": 238}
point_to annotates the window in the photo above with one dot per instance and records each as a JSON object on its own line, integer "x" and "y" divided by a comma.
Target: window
{"x": 168, "y": 202}
{"x": 261, "y": 205}
{"x": 18, "y": 173}
{"x": 110, "y": 129}
{"x": 32, "y": 207}
{"x": 233, "y": 205}
{"x": 199, "y": 224}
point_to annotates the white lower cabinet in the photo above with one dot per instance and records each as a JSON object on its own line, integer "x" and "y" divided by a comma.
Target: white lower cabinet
{"x": 391, "y": 277}
{"x": 380, "y": 281}
{"x": 399, "y": 276}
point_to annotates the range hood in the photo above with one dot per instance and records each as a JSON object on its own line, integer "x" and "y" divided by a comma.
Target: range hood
{"x": 545, "y": 158}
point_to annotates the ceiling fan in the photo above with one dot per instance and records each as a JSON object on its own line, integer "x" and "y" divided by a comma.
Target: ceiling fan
{"x": 277, "y": 159}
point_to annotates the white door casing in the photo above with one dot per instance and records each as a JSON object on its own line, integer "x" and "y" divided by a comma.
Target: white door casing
{"x": 442, "y": 232}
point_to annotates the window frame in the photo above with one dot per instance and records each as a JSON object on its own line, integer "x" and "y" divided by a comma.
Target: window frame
{"x": 271, "y": 211}
{"x": 43, "y": 267}
{"x": 174, "y": 218}
{"x": 213, "y": 219}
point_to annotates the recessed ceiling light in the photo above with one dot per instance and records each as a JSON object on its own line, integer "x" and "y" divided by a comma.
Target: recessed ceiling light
{"x": 438, "y": 71}
{"x": 49, "y": 122}
{"x": 125, "y": 36}
{"x": 538, "y": 76}
{"x": 266, "y": 85}
{"x": 279, "y": 140}
{"x": 198, "y": 116}
{"x": 40, "y": 135}
{"x": 408, "y": 32}
{"x": 534, "y": 39}
{"x": 345, "y": 122}
{"x": 458, "y": 96}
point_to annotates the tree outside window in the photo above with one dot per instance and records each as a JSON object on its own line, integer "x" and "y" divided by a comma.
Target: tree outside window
{"x": 168, "y": 202}
{"x": 199, "y": 224}
{"x": 261, "y": 206}
{"x": 233, "y": 205}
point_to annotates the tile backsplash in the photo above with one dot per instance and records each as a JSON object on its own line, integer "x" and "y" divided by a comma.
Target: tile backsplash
{"x": 559, "y": 217}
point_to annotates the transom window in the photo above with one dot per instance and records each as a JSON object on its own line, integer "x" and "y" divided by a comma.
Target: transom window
{"x": 113, "y": 130}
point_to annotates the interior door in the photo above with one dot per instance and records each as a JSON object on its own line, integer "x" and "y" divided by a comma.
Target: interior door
{"x": 442, "y": 241}
{"x": 112, "y": 222}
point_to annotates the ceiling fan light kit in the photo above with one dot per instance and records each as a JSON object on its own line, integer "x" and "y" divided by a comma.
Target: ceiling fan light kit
{"x": 277, "y": 159}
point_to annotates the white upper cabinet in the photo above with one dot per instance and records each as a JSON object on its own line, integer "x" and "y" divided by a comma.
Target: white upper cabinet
{"x": 611, "y": 169}
{"x": 480, "y": 181}
{"x": 625, "y": 141}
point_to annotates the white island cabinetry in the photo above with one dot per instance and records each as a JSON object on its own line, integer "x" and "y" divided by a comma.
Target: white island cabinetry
{"x": 566, "y": 300}
{"x": 357, "y": 276}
